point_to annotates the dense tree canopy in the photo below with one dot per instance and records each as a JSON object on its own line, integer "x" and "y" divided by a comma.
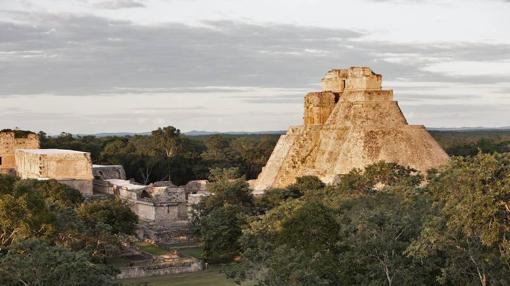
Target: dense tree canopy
{"x": 219, "y": 218}
{"x": 166, "y": 153}
{"x": 384, "y": 225}
{"x": 50, "y": 236}
{"x": 35, "y": 262}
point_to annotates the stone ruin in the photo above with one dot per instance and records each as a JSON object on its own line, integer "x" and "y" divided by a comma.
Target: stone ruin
{"x": 20, "y": 155}
{"x": 351, "y": 123}
{"x": 72, "y": 168}
{"x": 10, "y": 141}
{"x": 161, "y": 203}
{"x": 163, "y": 209}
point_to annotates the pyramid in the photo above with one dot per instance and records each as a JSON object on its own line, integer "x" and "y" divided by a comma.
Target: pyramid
{"x": 350, "y": 124}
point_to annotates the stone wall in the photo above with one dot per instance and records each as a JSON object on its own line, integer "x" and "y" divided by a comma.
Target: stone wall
{"x": 158, "y": 270}
{"x": 177, "y": 232}
{"x": 54, "y": 164}
{"x": 161, "y": 203}
{"x": 68, "y": 167}
{"x": 84, "y": 186}
{"x": 105, "y": 172}
{"x": 10, "y": 141}
{"x": 318, "y": 106}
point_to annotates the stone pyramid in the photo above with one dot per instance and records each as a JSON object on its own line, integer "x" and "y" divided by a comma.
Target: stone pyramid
{"x": 350, "y": 124}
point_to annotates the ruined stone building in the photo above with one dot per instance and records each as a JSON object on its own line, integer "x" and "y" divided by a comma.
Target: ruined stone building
{"x": 161, "y": 203}
{"x": 72, "y": 168}
{"x": 10, "y": 141}
{"x": 162, "y": 207}
{"x": 196, "y": 191}
{"x": 350, "y": 124}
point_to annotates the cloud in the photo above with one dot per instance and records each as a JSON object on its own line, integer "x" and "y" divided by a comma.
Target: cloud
{"x": 117, "y": 4}
{"x": 69, "y": 54}
{"x": 85, "y": 59}
{"x": 226, "y": 66}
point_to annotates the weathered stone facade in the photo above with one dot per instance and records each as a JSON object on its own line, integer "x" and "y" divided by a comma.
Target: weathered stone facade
{"x": 182, "y": 265}
{"x": 10, "y": 141}
{"x": 72, "y": 168}
{"x": 104, "y": 172}
{"x": 352, "y": 123}
{"x": 161, "y": 203}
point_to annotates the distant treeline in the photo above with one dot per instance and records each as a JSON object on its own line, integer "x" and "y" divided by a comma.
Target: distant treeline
{"x": 167, "y": 153}
{"x": 469, "y": 143}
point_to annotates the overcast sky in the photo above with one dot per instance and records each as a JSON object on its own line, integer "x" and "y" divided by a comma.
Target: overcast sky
{"x": 88, "y": 66}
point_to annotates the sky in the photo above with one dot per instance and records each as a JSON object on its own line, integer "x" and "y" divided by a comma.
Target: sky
{"x": 90, "y": 66}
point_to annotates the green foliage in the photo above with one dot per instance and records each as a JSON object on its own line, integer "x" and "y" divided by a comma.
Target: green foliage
{"x": 168, "y": 140}
{"x": 220, "y": 217}
{"x": 53, "y": 192}
{"x": 80, "y": 233}
{"x": 375, "y": 232}
{"x": 220, "y": 231}
{"x": 484, "y": 145}
{"x": 7, "y": 183}
{"x": 312, "y": 228}
{"x": 228, "y": 190}
{"x": 68, "y": 141}
{"x": 483, "y": 209}
{"x": 24, "y": 215}
{"x": 275, "y": 197}
{"x": 151, "y": 248}
{"x": 472, "y": 223}
{"x": 354, "y": 233}
{"x": 468, "y": 143}
{"x": 114, "y": 213}
{"x": 377, "y": 176}
{"x": 36, "y": 262}
{"x": 168, "y": 154}
{"x": 306, "y": 184}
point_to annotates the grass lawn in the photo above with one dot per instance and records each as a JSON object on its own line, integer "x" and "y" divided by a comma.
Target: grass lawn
{"x": 151, "y": 248}
{"x": 203, "y": 278}
{"x": 191, "y": 251}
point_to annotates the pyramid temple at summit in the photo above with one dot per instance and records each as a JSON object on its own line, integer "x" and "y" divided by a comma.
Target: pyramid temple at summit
{"x": 350, "y": 124}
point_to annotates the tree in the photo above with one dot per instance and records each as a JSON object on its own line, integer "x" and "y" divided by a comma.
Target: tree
{"x": 219, "y": 154}
{"x": 312, "y": 228}
{"x": 252, "y": 153}
{"x": 275, "y": 197}
{"x": 354, "y": 233}
{"x": 7, "y": 183}
{"x": 305, "y": 184}
{"x": 114, "y": 213}
{"x": 24, "y": 216}
{"x": 36, "y": 262}
{"x": 472, "y": 224}
{"x": 228, "y": 190}
{"x": 220, "y": 231}
{"x": 376, "y": 231}
{"x": 54, "y": 193}
{"x": 219, "y": 218}
{"x": 168, "y": 140}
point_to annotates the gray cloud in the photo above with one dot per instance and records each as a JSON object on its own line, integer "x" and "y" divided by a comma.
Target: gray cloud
{"x": 235, "y": 63}
{"x": 273, "y": 99}
{"x": 80, "y": 55}
{"x": 118, "y": 4}
{"x": 77, "y": 55}
{"x": 166, "y": 109}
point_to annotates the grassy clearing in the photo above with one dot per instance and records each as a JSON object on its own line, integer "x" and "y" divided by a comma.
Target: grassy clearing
{"x": 203, "y": 278}
{"x": 191, "y": 251}
{"x": 151, "y": 248}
